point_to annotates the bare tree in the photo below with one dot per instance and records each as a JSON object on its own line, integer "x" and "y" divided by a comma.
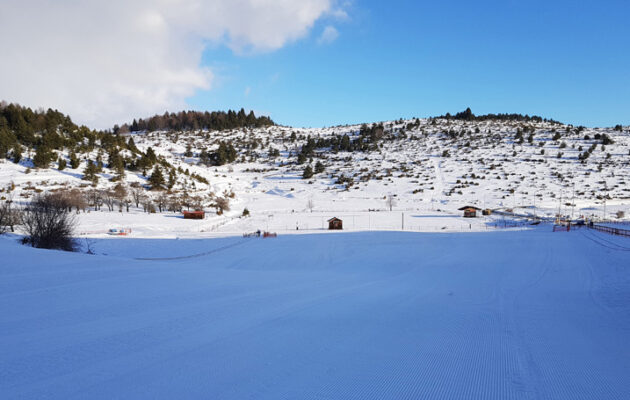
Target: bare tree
{"x": 127, "y": 202}
{"x": 185, "y": 200}
{"x": 137, "y": 194}
{"x": 221, "y": 204}
{"x": 77, "y": 199}
{"x": 49, "y": 223}
{"x": 9, "y": 216}
{"x": 310, "y": 204}
{"x": 174, "y": 204}
{"x": 94, "y": 199}
{"x": 162, "y": 201}
{"x": 148, "y": 205}
{"x": 5, "y": 215}
{"x": 391, "y": 202}
{"x": 196, "y": 202}
{"x": 120, "y": 193}
{"x": 109, "y": 199}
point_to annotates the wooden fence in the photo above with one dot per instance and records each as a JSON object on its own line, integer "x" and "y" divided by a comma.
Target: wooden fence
{"x": 611, "y": 230}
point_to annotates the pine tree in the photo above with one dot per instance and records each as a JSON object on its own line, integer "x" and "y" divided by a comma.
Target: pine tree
{"x": 188, "y": 152}
{"x": 62, "y": 164}
{"x": 319, "y": 167}
{"x": 157, "y": 178}
{"x": 42, "y": 157}
{"x": 150, "y": 155}
{"x": 308, "y": 172}
{"x": 74, "y": 161}
{"x": 172, "y": 178}
{"x": 204, "y": 157}
{"x": 7, "y": 139}
{"x": 17, "y": 153}
{"x": 345, "y": 143}
{"x": 131, "y": 145}
{"x": 117, "y": 163}
{"x": 90, "y": 172}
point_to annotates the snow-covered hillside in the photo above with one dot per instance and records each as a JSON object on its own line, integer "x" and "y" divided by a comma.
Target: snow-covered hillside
{"x": 192, "y": 309}
{"x": 426, "y": 166}
{"x": 373, "y": 315}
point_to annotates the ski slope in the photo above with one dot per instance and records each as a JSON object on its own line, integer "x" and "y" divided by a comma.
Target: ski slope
{"x": 368, "y": 315}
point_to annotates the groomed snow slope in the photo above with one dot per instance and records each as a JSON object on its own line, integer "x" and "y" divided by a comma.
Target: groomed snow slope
{"x": 387, "y": 315}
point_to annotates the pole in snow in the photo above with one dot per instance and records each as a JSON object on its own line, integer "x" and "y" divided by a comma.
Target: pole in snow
{"x": 605, "y": 196}
{"x": 573, "y": 201}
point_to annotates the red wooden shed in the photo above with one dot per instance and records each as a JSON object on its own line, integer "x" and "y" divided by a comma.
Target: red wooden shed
{"x": 470, "y": 211}
{"x": 335, "y": 224}
{"x": 194, "y": 215}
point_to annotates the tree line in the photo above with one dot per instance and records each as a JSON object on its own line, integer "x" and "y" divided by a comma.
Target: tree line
{"x": 467, "y": 115}
{"x": 196, "y": 120}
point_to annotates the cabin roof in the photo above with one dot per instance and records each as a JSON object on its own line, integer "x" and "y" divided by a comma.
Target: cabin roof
{"x": 468, "y": 207}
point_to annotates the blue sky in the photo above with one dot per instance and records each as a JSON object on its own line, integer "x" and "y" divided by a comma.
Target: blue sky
{"x": 567, "y": 60}
{"x": 110, "y": 62}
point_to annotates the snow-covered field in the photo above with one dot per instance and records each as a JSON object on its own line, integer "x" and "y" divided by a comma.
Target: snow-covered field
{"x": 383, "y": 315}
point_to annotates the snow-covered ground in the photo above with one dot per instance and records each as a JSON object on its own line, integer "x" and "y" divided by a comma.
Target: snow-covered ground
{"x": 411, "y": 301}
{"x": 355, "y": 315}
{"x": 486, "y": 166}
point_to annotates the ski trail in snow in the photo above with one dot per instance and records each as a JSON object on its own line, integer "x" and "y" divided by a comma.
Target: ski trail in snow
{"x": 503, "y": 315}
{"x": 529, "y": 375}
{"x": 229, "y": 246}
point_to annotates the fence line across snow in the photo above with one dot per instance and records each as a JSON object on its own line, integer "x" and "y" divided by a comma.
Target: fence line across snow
{"x": 611, "y": 230}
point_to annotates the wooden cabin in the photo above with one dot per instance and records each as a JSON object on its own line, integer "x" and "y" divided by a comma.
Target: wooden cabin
{"x": 470, "y": 211}
{"x": 335, "y": 224}
{"x": 194, "y": 214}
{"x": 487, "y": 211}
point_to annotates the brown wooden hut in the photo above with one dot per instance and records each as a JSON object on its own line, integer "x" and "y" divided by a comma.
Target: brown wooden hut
{"x": 194, "y": 214}
{"x": 335, "y": 224}
{"x": 470, "y": 211}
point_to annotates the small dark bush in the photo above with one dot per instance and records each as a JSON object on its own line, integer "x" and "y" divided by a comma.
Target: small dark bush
{"x": 49, "y": 223}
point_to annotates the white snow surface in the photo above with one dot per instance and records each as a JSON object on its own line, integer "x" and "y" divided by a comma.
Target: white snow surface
{"x": 528, "y": 314}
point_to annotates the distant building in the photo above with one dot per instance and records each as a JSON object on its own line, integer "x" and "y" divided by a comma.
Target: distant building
{"x": 194, "y": 215}
{"x": 470, "y": 211}
{"x": 335, "y": 224}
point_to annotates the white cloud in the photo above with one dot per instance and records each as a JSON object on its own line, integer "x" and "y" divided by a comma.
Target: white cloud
{"x": 105, "y": 62}
{"x": 329, "y": 35}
